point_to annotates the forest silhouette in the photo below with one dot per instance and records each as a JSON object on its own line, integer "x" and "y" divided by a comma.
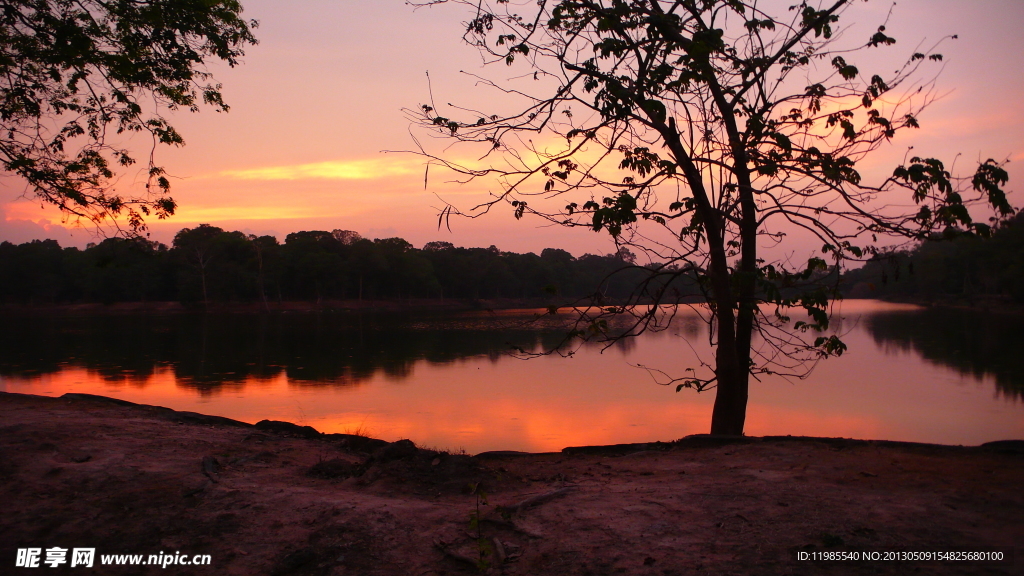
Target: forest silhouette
{"x": 321, "y": 266}
{"x": 964, "y": 269}
{"x": 208, "y": 264}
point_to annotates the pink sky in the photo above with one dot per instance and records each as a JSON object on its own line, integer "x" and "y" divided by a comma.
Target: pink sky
{"x": 316, "y": 103}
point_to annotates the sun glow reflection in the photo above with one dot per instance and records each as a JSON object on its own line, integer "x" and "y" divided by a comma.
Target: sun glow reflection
{"x": 479, "y": 403}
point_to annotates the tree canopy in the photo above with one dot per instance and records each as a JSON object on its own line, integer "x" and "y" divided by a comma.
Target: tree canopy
{"x": 76, "y": 77}
{"x": 697, "y": 132}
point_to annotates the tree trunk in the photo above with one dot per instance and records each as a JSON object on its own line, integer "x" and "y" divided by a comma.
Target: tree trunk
{"x": 202, "y": 260}
{"x": 734, "y": 405}
{"x": 732, "y": 358}
{"x": 202, "y": 274}
{"x": 730, "y": 411}
{"x": 259, "y": 277}
{"x": 732, "y": 364}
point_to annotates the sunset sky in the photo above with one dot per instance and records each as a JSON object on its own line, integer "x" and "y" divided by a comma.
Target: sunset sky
{"x": 317, "y": 102}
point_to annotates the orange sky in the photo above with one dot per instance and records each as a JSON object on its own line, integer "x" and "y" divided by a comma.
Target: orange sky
{"x": 316, "y": 103}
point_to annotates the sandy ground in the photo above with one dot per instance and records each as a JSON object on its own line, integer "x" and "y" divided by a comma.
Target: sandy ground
{"x": 279, "y": 499}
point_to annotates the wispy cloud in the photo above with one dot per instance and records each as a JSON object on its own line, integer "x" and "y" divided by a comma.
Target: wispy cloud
{"x": 365, "y": 169}
{"x": 197, "y": 213}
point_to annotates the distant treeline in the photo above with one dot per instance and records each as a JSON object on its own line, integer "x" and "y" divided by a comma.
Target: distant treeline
{"x": 208, "y": 264}
{"x": 962, "y": 268}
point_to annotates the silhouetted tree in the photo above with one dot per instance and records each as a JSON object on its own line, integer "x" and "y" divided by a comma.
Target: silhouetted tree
{"x": 315, "y": 263}
{"x": 31, "y": 272}
{"x": 196, "y": 248}
{"x": 73, "y": 74}
{"x": 265, "y": 248}
{"x": 125, "y": 270}
{"x": 690, "y": 130}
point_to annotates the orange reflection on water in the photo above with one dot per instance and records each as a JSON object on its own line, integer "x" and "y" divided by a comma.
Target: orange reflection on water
{"x": 545, "y": 404}
{"x": 473, "y": 405}
{"x": 810, "y": 422}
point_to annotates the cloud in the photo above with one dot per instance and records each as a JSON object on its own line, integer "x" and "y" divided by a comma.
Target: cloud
{"x": 17, "y": 226}
{"x": 198, "y": 213}
{"x": 365, "y": 169}
{"x": 388, "y": 232}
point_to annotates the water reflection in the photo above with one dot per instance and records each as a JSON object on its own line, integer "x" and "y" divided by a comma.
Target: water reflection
{"x": 923, "y": 376}
{"x": 973, "y": 343}
{"x": 206, "y": 352}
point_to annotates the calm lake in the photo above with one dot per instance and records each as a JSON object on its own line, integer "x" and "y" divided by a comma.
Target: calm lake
{"x": 923, "y": 375}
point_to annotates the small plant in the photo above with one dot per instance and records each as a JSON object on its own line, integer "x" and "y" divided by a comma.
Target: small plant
{"x": 361, "y": 430}
{"x": 483, "y": 545}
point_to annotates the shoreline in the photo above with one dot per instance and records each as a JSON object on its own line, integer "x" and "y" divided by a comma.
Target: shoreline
{"x": 987, "y": 305}
{"x": 1011, "y": 445}
{"x": 419, "y": 306}
{"x": 278, "y": 498}
{"x": 329, "y": 306}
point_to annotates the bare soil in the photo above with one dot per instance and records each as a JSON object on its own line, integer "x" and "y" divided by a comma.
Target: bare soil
{"x": 276, "y": 498}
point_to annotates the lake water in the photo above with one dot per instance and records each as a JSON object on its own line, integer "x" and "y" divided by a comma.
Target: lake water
{"x": 923, "y": 375}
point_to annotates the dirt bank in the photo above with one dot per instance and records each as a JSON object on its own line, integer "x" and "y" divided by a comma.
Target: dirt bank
{"x": 280, "y": 499}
